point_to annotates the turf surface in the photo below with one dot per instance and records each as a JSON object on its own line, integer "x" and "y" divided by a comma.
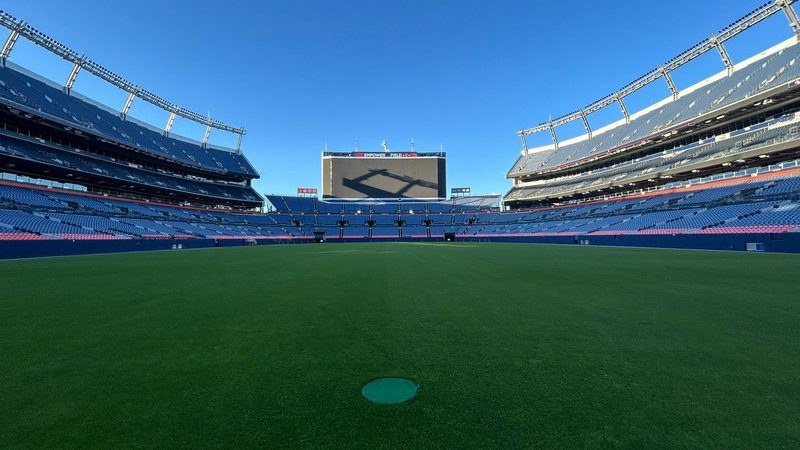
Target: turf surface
{"x": 513, "y": 345}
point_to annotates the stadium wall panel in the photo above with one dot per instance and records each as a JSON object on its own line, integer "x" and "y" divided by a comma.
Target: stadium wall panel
{"x": 780, "y": 243}
{"x": 38, "y": 249}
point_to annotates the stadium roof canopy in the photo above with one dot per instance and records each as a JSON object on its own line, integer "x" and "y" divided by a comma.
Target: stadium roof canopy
{"x": 19, "y": 28}
{"x": 714, "y": 42}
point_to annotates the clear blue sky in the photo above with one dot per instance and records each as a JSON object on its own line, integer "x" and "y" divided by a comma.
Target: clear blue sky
{"x": 463, "y": 74}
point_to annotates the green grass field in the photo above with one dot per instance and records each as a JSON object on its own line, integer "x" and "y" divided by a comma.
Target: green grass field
{"x": 513, "y": 345}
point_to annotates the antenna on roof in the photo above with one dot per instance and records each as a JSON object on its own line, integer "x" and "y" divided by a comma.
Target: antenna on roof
{"x": 441, "y": 147}
{"x": 326, "y": 146}
{"x": 412, "y": 145}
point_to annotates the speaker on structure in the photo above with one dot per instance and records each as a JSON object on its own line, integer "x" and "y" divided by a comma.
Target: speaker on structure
{"x": 449, "y": 237}
{"x": 319, "y": 237}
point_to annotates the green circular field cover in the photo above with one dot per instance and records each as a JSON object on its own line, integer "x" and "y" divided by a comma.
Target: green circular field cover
{"x": 389, "y": 391}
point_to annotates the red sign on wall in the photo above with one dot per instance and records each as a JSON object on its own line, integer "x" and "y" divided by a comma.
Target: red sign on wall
{"x": 310, "y": 191}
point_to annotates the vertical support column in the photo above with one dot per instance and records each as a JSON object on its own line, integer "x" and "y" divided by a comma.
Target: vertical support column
{"x": 170, "y": 121}
{"x": 670, "y": 84}
{"x": 794, "y": 22}
{"x": 586, "y": 124}
{"x": 723, "y": 54}
{"x": 127, "y": 106}
{"x": 11, "y": 40}
{"x": 553, "y": 135}
{"x": 524, "y": 142}
{"x": 74, "y": 74}
{"x": 623, "y": 107}
{"x": 239, "y": 143}
{"x": 208, "y": 133}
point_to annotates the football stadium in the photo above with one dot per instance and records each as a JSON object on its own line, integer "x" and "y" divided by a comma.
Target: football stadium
{"x": 634, "y": 287}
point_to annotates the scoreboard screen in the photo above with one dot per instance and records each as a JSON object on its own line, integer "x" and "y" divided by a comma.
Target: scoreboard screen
{"x": 383, "y": 175}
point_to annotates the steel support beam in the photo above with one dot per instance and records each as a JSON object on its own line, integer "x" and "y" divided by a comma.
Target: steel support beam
{"x": 127, "y": 106}
{"x": 791, "y": 15}
{"x": 553, "y": 135}
{"x": 723, "y": 54}
{"x": 524, "y": 141}
{"x": 670, "y": 83}
{"x": 74, "y": 73}
{"x": 206, "y": 135}
{"x": 239, "y": 143}
{"x": 11, "y": 39}
{"x": 623, "y": 108}
{"x": 586, "y": 124}
{"x": 170, "y": 121}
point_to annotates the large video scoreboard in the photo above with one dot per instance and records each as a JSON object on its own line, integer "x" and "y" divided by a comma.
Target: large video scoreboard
{"x": 383, "y": 175}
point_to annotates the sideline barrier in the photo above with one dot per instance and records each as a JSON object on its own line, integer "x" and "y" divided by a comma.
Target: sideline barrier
{"x": 778, "y": 242}
{"x": 35, "y": 249}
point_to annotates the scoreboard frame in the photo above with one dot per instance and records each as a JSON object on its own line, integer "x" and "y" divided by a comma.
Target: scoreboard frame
{"x": 426, "y": 182}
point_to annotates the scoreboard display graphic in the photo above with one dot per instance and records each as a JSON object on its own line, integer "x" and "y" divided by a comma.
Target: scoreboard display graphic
{"x": 383, "y": 175}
